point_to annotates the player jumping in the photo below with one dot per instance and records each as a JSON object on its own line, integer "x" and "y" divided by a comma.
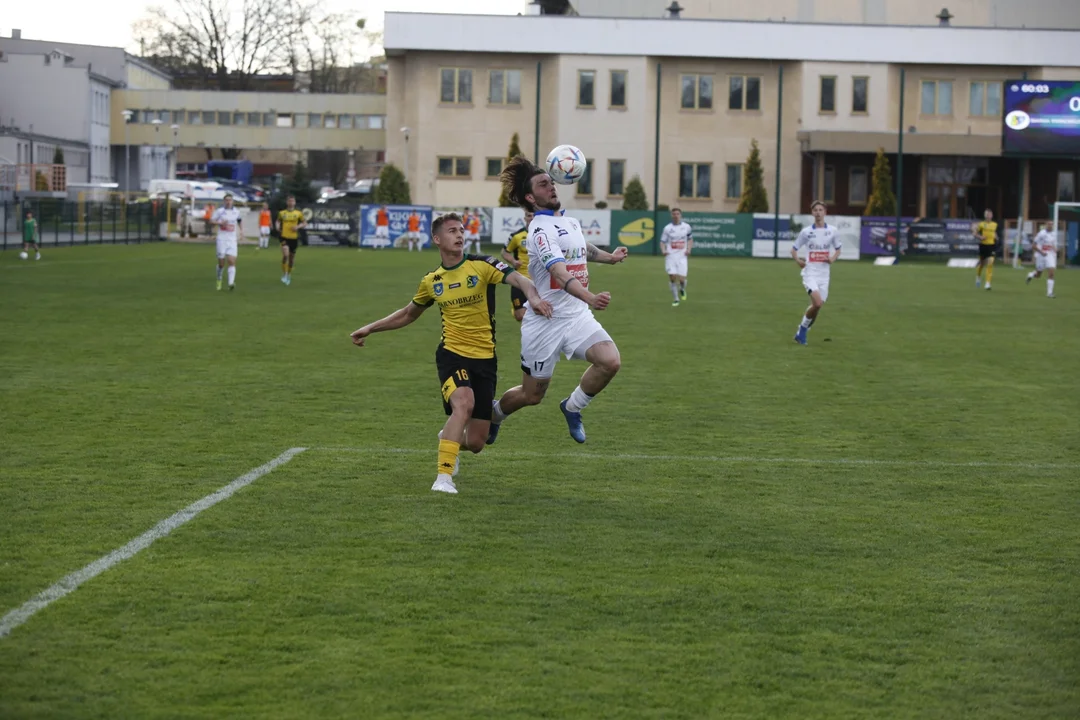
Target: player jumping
{"x": 227, "y": 220}
{"x": 986, "y": 232}
{"x": 463, "y": 286}
{"x": 558, "y": 256}
{"x": 823, "y": 247}
{"x": 676, "y": 243}
{"x": 1045, "y": 257}
{"x": 516, "y": 254}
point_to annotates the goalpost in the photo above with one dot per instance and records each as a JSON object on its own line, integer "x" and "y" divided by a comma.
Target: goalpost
{"x": 1066, "y": 215}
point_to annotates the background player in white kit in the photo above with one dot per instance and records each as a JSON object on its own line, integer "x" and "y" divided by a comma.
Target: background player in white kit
{"x": 823, "y": 246}
{"x": 1045, "y": 257}
{"x": 227, "y": 220}
{"x": 676, "y": 243}
{"x": 558, "y": 265}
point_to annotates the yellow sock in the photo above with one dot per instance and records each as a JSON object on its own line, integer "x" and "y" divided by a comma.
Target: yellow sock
{"x": 284, "y": 267}
{"x": 448, "y": 452}
{"x": 989, "y": 270}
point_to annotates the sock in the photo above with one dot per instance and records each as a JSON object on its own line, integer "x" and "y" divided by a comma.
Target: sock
{"x": 232, "y": 274}
{"x": 448, "y": 452}
{"x": 989, "y": 270}
{"x": 674, "y": 290}
{"x": 497, "y": 414}
{"x": 978, "y": 272}
{"x": 219, "y": 271}
{"x": 579, "y": 400}
{"x": 1049, "y": 287}
{"x": 1031, "y": 275}
{"x": 682, "y": 286}
{"x": 807, "y": 321}
{"x": 284, "y": 267}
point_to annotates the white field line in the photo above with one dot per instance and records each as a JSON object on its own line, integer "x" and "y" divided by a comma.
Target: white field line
{"x": 740, "y": 459}
{"x": 66, "y": 585}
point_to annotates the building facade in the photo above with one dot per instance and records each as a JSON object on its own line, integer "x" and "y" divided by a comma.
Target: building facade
{"x": 678, "y": 103}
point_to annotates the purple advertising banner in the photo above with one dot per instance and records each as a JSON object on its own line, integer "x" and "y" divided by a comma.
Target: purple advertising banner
{"x": 878, "y": 236}
{"x": 919, "y": 237}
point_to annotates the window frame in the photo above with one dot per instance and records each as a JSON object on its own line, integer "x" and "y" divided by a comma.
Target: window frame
{"x": 1071, "y": 174}
{"x": 937, "y": 97}
{"x": 588, "y": 176}
{"x": 611, "y": 88}
{"x": 254, "y": 119}
{"x": 828, "y": 195}
{"x": 694, "y": 190}
{"x": 866, "y": 94}
{"x": 744, "y": 92}
{"x": 610, "y": 175}
{"x": 821, "y": 95}
{"x": 983, "y": 111}
{"x": 487, "y": 167}
{"x": 580, "y": 74}
{"x": 697, "y": 92}
{"x": 851, "y": 174}
{"x": 304, "y": 123}
{"x": 505, "y": 101}
{"x": 457, "y": 101}
{"x": 739, "y": 171}
{"x": 454, "y": 160}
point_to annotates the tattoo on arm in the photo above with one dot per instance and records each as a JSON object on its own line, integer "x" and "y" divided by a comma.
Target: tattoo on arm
{"x": 591, "y": 252}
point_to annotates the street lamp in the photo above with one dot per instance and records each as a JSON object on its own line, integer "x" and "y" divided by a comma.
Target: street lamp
{"x": 156, "y": 122}
{"x": 175, "y": 140}
{"x": 405, "y": 131}
{"x": 127, "y": 151}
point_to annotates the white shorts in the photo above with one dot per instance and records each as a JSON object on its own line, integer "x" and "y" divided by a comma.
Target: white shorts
{"x": 471, "y": 237}
{"x": 542, "y": 340}
{"x": 675, "y": 265}
{"x": 226, "y": 247}
{"x": 412, "y": 236}
{"x": 818, "y": 285}
{"x": 264, "y": 231}
{"x": 1045, "y": 261}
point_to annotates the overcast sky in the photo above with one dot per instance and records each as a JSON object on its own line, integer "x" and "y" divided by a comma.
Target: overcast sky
{"x": 78, "y": 21}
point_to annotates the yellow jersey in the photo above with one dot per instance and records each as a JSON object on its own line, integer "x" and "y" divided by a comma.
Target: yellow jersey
{"x": 289, "y": 219}
{"x": 466, "y": 298}
{"x": 986, "y": 231}
{"x": 516, "y": 247}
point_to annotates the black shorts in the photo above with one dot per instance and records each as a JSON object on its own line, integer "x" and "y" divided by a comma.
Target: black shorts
{"x": 986, "y": 251}
{"x": 456, "y": 371}
{"x": 517, "y": 298}
{"x": 291, "y": 244}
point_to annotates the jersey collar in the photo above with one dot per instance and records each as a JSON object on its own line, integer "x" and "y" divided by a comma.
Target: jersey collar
{"x": 455, "y": 267}
{"x": 549, "y": 212}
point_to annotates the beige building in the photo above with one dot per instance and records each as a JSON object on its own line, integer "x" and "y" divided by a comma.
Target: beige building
{"x": 820, "y": 98}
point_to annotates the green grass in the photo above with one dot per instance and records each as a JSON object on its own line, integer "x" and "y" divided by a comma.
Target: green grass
{"x": 734, "y": 566}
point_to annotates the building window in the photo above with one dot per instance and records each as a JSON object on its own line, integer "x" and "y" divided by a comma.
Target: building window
{"x": 163, "y": 116}
{"x": 695, "y": 180}
{"x": 455, "y": 167}
{"x": 734, "y": 182}
{"x": 584, "y": 185}
{"x": 858, "y": 186}
{"x": 254, "y": 119}
{"x": 283, "y": 121}
{"x": 301, "y": 120}
{"x": 494, "y": 167}
{"x": 329, "y": 121}
{"x": 985, "y": 99}
{"x": 209, "y": 118}
{"x": 239, "y": 119}
{"x": 744, "y": 92}
{"x": 586, "y": 88}
{"x": 344, "y": 122}
{"x": 194, "y": 117}
{"x": 696, "y": 92}
{"x": 269, "y": 119}
{"x": 936, "y": 97}
{"x": 455, "y": 86}
{"x": 178, "y": 117}
{"x": 378, "y": 122}
{"x": 616, "y": 173}
{"x": 827, "y": 96}
{"x": 828, "y": 192}
{"x": 224, "y": 118}
{"x": 618, "y": 90}
{"x": 504, "y": 87}
{"x": 860, "y": 95}
{"x": 1066, "y": 186}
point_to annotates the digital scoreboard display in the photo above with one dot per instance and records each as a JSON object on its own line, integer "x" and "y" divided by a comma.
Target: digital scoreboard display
{"x": 1042, "y": 118}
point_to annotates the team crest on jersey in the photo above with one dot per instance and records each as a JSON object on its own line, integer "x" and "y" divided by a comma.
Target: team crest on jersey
{"x": 437, "y": 288}
{"x": 473, "y": 281}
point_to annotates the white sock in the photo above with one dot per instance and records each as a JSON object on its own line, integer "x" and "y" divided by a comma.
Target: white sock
{"x": 806, "y": 322}
{"x": 674, "y": 290}
{"x": 1031, "y": 275}
{"x": 232, "y": 274}
{"x": 220, "y": 270}
{"x": 578, "y": 400}
{"x": 1049, "y": 287}
{"x": 497, "y": 414}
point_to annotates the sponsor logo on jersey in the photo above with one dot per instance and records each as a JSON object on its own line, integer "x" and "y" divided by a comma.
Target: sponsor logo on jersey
{"x": 472, "y": 281}
{"x": 454, "y": 286}
{"x": 437, "y": 288}
{"x": 637, "y": 232}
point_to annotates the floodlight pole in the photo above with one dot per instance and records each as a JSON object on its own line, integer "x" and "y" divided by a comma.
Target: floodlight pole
{"x": 900, "y": 167}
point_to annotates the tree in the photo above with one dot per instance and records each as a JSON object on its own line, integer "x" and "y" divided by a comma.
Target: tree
{"x": 58, "y": 156}
{"x": 513, "y": 152}
{"x": 393, "y": 188}
{"x": 882, "y": 202}
{"x": 634, "y": 195}
{"x": 754, "y": 198}
{"x": 299, "y": 184}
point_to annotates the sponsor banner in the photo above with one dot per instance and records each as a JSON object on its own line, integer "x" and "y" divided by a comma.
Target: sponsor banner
{"x": 878, "y": 235}
{"x": 943, "y": 237}
{"x": 634, "y": 230}
{"x": 595, "y": 224}
{"x": 329, "y": 225}
{"x": 765, "y": 241}
{"x": 727, "y": 234}
{"x": 399, "y": 223}
{"x": 505, "y": 221}
{"x": 486, "y": 221}
{"x": 849, "y": 228}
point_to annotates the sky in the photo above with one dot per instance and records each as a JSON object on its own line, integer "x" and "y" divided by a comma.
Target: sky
{"x": 78, "y": 21}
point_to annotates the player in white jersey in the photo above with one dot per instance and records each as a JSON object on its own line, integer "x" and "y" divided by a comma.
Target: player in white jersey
{"x": 227, "y": 220}
{"x": 676, "y": 242}
{"x": 823, "y": 246}
{"x": 1046, "y": 250}
{"x": 558, "y": 265}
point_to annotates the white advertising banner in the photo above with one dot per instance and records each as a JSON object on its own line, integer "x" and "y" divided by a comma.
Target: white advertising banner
{"x": 595, "y": 224}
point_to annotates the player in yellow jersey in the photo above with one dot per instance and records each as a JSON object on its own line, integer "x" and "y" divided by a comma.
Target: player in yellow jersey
{"x": 289, "y": 223}
{"x": 986, "y": 231}
{"x": 463, "y": 286}
{"x": 517, "y": 255}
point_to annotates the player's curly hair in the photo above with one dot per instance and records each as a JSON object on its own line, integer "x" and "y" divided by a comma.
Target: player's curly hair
{"x": 517, "y": 178}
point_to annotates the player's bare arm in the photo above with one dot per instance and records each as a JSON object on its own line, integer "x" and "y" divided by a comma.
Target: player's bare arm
{"x": 796, "y": 258}
{"x": 689, "y": 245}
{"x": 393, "y": 321}
{"x": 595, "y": 254}
{"x": 510, "y": 259}
{"x": 525, "y": 285}
{"x": 572, "y": 285}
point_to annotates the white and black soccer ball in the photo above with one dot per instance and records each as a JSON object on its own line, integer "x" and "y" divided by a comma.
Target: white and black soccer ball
{"x": 24, "y": 255}
{"x": 566, "y": 164}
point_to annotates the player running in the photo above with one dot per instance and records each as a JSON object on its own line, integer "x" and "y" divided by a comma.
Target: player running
{"x": 676, "y": 243}
{"x": 264, "y": 227}
{"x": 823, "y": 246}
{"x": 1045, "y": 257}
{"x": 986, "y": 232}
{"x": 517, "y": 255}
{"x": 463, "y": 286}
{"x": 227, "y": 221}
{"x": 289, "y": 222}
{"x": 558, "y": 257}
{"x": 31, "y": 236}
{"x": 412, "y": 236}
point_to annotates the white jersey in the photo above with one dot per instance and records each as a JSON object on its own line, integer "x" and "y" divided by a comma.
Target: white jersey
{"x": 227, "y": 221}
{"x": 820, "y": 244}
{"x": 556, "y": 238}
{"x": 676, "y": 237}
{"x": 1046, "y": 243}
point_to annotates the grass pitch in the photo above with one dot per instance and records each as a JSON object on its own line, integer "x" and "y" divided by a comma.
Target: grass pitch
{"x": 881, "y": 524}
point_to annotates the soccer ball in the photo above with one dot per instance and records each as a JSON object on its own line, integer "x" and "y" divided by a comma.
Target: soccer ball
{"x": 24, "y": 255}
{"x": 566, "y": 164}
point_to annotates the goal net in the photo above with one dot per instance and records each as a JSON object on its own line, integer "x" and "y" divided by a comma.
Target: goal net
{"x": 1065, "y": 220}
